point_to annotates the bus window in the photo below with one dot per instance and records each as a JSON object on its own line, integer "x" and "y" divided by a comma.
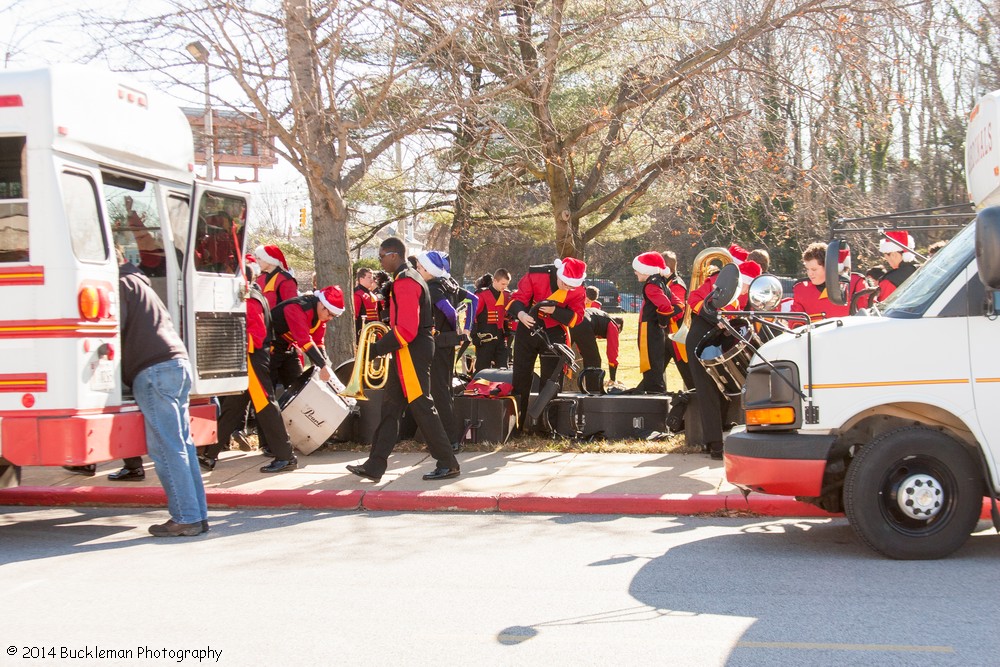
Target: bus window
{"x": 13, "y": 201}
{"x": 179, "y": 212}
{"x": 135, "y": 219}
{"x": 86, "y": 233}
{"x": 221, "y": 226}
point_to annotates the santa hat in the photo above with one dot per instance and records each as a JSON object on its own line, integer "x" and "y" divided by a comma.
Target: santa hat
{"x": 749, "y": 271}
{"x": 332, "y": 298}
{"x": 739, "y": 254}
{"x": 898, "y": 240}
{"x": 571, "y": 271}
{"x": 650, "y": 263}
{"x": 435, "y": 263}
{"x": 844, "y": 260}
{"x": 272, "y": 255}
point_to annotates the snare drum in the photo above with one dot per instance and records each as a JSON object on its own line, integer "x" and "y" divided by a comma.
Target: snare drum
{"x": 726, "y": 358}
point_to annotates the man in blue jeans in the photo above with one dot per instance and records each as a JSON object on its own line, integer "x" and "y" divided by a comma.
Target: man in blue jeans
{"x": 155, "y": 364}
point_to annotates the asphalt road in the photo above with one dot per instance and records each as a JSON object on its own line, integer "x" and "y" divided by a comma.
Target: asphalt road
{"x": 330, "y": 588}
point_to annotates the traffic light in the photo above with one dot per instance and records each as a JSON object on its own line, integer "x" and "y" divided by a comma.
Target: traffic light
{"x": 302, "y": 218}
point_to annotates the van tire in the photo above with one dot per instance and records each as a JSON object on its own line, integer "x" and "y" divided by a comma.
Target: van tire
{"x": 10, "y": 475}
{"x": 944, "y": 487}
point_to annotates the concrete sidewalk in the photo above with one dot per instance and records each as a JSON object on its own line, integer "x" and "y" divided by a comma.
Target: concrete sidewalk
{"x": 543, "y": 482}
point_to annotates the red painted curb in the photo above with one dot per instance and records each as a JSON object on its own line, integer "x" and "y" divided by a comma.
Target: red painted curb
{"x": 316, "y": 499}
{"x": 584, "y": 503}
{"x": 429, "y": 501}
{"x": 602, "y": 503}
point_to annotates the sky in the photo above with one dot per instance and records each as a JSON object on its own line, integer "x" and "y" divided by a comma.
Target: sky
{"x": 34, "y": 34}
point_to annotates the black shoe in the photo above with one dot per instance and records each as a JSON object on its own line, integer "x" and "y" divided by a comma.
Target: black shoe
{"x": 207, "y": 463}
{"x": 173, "y": 529}
{"x": 86, "y": 471}
{"x": 241, "y": 441}
{"x": 204, "y": 525}
{"x": 281, "y": 465}
{"x": 266, "y": 451}
{"x": 128, "y": 475}
{"x": 360, "y": 471}
{"x": 442, "y": 473}
{"x": 715, "y": 451}
{"x": 456, "y": 447}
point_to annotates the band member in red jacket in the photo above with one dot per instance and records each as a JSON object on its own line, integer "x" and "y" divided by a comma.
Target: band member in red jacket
{"x": 408, "y": 385}
{"x": 365, "y": 300}
{"x": 270, "y": 426}
{"x": 562, "y": 282}
{"x": 275, "y": 281}
{"x": 704, "y": 321}
{"x": 671, "y": 348}
{"x": 299, "y": 324}
{"x": 609, "y": 328}
{"x": 659, "y": 307}
{"x": 491, "y": 330}
{"x": 810, "y": 296}
{"x": 897, "y": 250}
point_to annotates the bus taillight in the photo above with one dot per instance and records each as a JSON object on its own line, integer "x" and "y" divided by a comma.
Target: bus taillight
{"x": 94, "y": 302}
{"x": 11, "y": 101}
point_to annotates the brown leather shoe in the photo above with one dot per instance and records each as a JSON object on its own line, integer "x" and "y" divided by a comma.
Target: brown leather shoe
{"x": 173, "y": 529}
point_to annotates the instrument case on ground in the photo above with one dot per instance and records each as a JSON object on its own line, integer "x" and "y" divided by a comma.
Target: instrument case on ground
{"x": 486, "y": 419}
{"x": 612, "y": 416}
{"x": 314, "y": 413}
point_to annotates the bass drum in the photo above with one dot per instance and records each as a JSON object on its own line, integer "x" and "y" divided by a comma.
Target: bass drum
{"x": 726, "y": 358}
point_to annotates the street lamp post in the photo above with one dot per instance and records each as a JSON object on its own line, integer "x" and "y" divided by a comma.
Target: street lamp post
{"x": 200, "y": 54}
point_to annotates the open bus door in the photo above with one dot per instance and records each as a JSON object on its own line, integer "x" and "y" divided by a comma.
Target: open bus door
{"x": 214, "y": 311}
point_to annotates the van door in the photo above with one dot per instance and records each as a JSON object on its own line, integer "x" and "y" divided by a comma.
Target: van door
{"x": 984, "y": 332}
{"x": 214, "y": 290}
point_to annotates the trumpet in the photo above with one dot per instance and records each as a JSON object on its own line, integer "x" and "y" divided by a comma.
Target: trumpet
{"x": 371, "y": 373}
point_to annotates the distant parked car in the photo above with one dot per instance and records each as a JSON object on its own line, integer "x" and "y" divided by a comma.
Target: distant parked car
{"x": 611, "y": 300}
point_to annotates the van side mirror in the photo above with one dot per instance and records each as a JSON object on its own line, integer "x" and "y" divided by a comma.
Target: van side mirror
{"x": 834, "y": 290}
{"x": 727, "y": 286}
{"x": 988, "y": 246}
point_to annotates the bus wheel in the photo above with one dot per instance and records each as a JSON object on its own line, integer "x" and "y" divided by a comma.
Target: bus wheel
{"x": 914, "y": 494}
{"x": 10, "y": 475}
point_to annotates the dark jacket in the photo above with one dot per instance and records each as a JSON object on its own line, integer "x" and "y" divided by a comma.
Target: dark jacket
{"x": 148, "y": 335}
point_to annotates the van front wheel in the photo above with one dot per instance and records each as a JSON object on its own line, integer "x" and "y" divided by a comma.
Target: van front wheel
{"x": 914, "y": 494}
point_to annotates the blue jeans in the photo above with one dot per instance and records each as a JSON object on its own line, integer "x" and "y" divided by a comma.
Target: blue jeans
{"x": 162, "y": 392}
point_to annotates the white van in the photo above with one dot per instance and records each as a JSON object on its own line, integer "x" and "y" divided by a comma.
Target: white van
{"x": 88, "y": 160}
{"x": 894, "y": 418}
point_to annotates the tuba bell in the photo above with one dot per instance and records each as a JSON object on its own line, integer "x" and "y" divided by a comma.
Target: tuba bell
{"x": 706, "y": 260}
{"x": 371, "y": 373}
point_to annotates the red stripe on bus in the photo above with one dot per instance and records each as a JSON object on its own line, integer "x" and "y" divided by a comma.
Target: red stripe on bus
{"x": 57, "y": 328}
{"x": 22, "y": 275}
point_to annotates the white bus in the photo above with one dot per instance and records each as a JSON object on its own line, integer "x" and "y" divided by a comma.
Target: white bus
{"x": 88, "y": 160}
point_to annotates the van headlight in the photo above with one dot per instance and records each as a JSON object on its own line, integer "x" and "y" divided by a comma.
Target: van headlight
{"x": 771, "y": 398}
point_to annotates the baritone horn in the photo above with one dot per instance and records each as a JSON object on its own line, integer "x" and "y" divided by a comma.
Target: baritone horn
{"x": 704, "y": 262}
{"x": 371, "y": 373}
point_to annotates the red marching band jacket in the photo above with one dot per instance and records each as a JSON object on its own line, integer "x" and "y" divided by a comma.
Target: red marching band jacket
{"x": 491, "y": 311}
{"x": 539, "y": 285}
{"x": 409, "y": 317}
{"x": 680, "y": 290}
{"x": 697, "y": 298}
{"x": 277, "y": 286}
{"x": 815, "y": 302}
{"x": 668, "y": 307}
{"x": 364, "y": 305}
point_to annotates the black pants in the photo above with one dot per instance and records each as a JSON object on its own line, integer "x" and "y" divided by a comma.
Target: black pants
{"x": 585, "y": 340}
{"x": 711, "y": 401}
{"x": 442, "y": 372}
{"x": 422, "y": 409}
{"x": 652, "y": 379}
{"x": 683, "y": 367}
{"x": 527, "y": 349}
{"x": 271, "y": 430}
{"x": 286, "y": 367}
{"x": 492, "y": 354}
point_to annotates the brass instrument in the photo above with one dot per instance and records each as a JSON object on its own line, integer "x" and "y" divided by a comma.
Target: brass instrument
{"x": 371, "y": 373}
{"x": 703, "y": 264}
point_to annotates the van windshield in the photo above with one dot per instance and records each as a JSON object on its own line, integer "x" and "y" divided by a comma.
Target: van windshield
{"x": 915, "y": 295}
